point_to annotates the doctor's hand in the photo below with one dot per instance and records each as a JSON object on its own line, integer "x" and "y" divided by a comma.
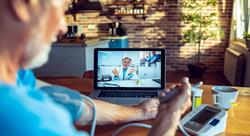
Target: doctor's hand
{"x": 115, "y": 72}
{"x": 131, "y": 71}
{"x": 149, "y": 108}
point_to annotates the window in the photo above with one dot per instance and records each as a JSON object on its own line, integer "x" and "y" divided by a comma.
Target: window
{"x": 241, "y": 18}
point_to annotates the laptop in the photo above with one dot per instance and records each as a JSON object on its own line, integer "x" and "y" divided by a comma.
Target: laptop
{"x": 128, "y": 76}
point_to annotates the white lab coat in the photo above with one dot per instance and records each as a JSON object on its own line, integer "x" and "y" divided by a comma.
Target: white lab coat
{"x": 120, "y": 70}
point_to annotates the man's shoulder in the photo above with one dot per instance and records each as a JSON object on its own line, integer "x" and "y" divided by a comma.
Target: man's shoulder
{"x": 23, "y": 99}
{"x": 6, "y": 90}
{"x": 15, "y": 91}
{"x": 12, "y": 96}
{"x": 11, "y": 101}
{"x": 24, "y": 111}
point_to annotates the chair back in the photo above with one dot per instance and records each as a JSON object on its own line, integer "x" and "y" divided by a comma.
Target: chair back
{"x": 88, "y": 74}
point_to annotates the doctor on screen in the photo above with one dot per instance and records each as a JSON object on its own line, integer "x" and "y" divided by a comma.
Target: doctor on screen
{"x": 125, "y": 72}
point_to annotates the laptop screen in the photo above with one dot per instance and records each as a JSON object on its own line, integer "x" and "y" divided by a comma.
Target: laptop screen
{"x": 129, "y": 68}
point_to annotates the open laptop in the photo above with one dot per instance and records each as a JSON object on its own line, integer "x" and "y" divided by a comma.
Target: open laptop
{"x": 128, "y": 76}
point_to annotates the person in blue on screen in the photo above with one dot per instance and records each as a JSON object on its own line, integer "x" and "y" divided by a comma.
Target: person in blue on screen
{"x": 125, "y": 72}
{"x": 153, "y": 58}
{"x": 150, "y": 59}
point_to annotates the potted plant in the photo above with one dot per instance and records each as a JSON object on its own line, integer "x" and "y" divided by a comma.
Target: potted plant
{"x": 199, "y": 23}
{"x": 246, "y": 36}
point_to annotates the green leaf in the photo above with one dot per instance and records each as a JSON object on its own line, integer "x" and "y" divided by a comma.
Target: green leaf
{"x": 246, "y": 35}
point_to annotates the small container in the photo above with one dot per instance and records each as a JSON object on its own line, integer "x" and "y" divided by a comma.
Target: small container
{"x": 196, "y": 97}
{"x": 138, "y": 82}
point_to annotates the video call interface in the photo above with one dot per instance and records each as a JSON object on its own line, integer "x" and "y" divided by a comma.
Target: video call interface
{"x": 129, "y": 69}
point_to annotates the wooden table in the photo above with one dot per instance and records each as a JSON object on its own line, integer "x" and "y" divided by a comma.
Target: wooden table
{"x": 238, "y": 121}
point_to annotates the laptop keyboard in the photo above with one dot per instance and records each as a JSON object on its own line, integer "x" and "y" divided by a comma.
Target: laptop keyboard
{"x": 135, "y": 94}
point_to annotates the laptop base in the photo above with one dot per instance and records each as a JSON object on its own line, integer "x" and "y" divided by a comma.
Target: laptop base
{"x": 120, "y": 100}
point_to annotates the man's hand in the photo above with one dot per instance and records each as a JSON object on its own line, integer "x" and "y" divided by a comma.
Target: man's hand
{"x": 115, "y": 72}
{"x": 182, "y": 101}
{"x": 170, "y": 113}
{"x": 149, "y": 108}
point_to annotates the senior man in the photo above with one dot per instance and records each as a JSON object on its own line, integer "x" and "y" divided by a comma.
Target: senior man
{"x": 28, "y": 27}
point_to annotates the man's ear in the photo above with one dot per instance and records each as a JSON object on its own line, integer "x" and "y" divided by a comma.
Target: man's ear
{"x": 20, "y": 9}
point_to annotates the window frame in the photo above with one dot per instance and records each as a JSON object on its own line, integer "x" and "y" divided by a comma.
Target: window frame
{"x": 238, "y": 7}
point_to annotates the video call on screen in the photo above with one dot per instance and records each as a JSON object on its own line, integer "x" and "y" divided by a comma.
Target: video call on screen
{"x": 129, "y": 69}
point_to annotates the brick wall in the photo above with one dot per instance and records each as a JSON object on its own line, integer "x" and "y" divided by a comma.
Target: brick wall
{"x": 162, "y": 28}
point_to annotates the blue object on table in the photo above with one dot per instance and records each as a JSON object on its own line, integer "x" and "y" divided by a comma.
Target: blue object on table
{"x": 117, "y": 42}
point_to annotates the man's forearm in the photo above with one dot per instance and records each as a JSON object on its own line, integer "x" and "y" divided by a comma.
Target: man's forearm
{"x": 166, "y": 126}
{"x": 108, "y": 113}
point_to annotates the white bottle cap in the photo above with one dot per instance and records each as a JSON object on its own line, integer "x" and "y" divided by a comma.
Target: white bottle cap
{"x": 197, "y": 92}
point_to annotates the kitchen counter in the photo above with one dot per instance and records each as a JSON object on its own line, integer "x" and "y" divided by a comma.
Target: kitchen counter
{"x": 114, "y": 37}
{"x": 71, "y": 58}
{"x": 78, "y": 42}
